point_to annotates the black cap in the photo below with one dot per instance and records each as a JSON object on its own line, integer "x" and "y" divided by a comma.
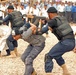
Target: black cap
{"x": 52, "y": 10}
{"x": 10, "y": 7}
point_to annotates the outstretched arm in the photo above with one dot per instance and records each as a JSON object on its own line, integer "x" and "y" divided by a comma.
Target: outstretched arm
{"x": 43, "y": 30}
{"x": 26, "y": 34}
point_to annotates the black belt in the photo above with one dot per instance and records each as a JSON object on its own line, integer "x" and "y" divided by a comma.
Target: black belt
{"x": 68, "y": 36}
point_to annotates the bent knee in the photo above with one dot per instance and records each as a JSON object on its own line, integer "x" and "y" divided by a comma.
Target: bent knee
{"x": 28, "y": 60}
{"x": 23, "y": 58}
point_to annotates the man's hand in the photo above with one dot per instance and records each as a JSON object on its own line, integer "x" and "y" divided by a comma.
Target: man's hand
{"x": 74, "y": 50}
{"x": 30, "y": 16}
{"x": 34, "y": 28}
{"x": 50, "y": 29}
{"x": 16, "y": 37}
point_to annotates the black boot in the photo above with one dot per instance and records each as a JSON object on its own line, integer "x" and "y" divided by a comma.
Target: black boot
{"x": 8, "y": 52}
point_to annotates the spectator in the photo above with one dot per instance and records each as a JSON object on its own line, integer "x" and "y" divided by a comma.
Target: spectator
{"x": 68, "y": 12}
{"x": 74, "y": 13}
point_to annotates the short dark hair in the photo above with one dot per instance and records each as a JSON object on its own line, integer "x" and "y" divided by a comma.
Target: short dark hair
{"x": 10, "y": 7}
{"x": 52, "y": 10}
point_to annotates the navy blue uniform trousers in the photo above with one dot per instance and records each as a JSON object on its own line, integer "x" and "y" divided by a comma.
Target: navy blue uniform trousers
{"x": 56, "y": 53}
{"x": 12, "y": 43}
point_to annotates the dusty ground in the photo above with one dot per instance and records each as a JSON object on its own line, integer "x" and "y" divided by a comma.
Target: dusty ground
{"x": 14, "y": 66}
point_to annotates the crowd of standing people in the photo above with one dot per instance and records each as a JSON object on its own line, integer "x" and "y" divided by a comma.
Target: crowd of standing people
{"x": 67, "y": 9}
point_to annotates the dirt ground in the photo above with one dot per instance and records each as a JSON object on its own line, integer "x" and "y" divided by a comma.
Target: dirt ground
{"x": 14, "y": 66}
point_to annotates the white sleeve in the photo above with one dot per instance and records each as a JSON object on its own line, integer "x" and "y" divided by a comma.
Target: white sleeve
{"x": 6, "y": 33}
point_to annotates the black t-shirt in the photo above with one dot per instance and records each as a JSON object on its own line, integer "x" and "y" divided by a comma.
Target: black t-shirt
{"x": 52, "y": 23}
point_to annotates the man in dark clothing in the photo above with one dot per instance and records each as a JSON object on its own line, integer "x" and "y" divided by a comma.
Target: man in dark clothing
{"x": 62, "y": 30}
{"x": 16, "y": 19}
